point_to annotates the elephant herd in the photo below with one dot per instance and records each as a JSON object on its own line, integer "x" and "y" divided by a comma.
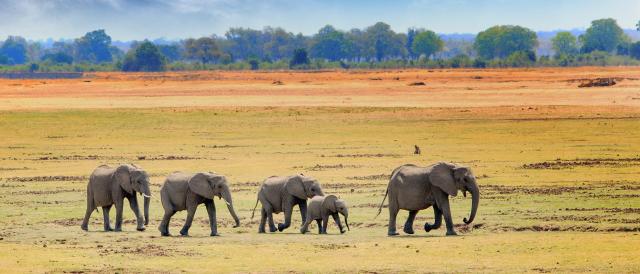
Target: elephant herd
{"x": 410, "y": 187}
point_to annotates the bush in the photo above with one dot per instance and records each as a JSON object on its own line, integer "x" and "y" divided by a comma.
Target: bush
{"x": 145, "y": 57}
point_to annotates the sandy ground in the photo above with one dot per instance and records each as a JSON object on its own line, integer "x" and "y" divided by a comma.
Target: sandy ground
{"x": 389, "y": 88}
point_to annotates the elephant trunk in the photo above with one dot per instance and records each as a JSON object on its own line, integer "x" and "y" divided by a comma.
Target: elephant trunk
{"x": 147, "y": 201}
{"x": 226, "y": 195}
{"x": 475, "y": 200}
{"x": 346, "y": 220}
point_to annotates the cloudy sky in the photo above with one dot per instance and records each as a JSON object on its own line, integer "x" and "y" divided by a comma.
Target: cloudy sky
{"x": 140, "y": 19}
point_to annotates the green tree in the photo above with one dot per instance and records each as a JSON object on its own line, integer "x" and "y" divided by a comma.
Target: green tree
{"x": 564, "y": 43}
{"x": 172, "y": 52}
{"x": 15, "y": 50}
{"x": 427, "y": 43}
{"x": 329, "y": 44}
{"x": 634, "y": 50}
{"x": 145, "y": 57}
{"x": 300, "y": 58}
{"x": 204, "y": 49}
{"x": 382, "y": 42}
{"x": 602, "y": 35}
{"x": 58, "y": 58}
{"x": 94, "y": 46}
{"x": 502, "y": 41}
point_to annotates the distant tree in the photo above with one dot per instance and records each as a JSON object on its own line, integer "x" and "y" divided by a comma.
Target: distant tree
{"x": 634, "y": 50}
{"x": 329, "y": 44}
{"x": 521, "y": 59}
{"x": 15, "y": 50}
{"x": 300, "y": 58}
{"x": 427, "y": 43}
{"x": 172, "y": 52}
{"x": 382, "y": 42}
{"x": 502, "y": 41}
{"x": 204, "y": 49}
{"x": 602, "y": 35}
{"x": 95, "y": 46}
{"x": 245, "y": 43}
{"x": 278, "y": 43}
{"x": 58, "y": 58}
{"x": 4, "y": 60}
{"x": 564, "y": 43}
{"x": 411, "y": 34}
{"x": 145, "y": 57}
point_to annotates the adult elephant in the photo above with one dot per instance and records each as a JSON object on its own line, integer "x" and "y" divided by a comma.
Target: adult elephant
{"x": 109, "y": 186}
{"x": 414, "y": 188}
{"x": 188, "y": 190}
{"x": 281, "y": 194}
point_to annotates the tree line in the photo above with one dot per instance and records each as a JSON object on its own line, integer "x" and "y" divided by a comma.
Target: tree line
{"x": 376, "y": 46}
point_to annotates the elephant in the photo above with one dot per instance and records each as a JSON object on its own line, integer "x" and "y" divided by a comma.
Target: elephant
{"x": 281, "y": 194}
{"x": 320, "y": 208}
{"x": 414, "y": 188}
{"x": 110, "y": 185}
{"x": 188, "y": 190}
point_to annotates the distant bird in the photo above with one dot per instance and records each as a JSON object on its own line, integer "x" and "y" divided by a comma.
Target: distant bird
{"x": 417, "y": 149}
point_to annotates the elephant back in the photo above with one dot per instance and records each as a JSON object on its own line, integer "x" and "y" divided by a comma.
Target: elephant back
{"x": 273, "y": 191}
{"x": 101, "y": 184}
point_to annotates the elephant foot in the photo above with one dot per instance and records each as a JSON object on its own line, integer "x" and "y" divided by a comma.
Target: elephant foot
{"x": 393, "y": 233}
{"x": 118, "y": 229}
{"x": 84, "y": 227}
{"x": 427, "y": 227}
{"x": 342, "y": 231}
{"x": 108, "y": 229}
{"x": 273, "y": 229}
{"x": 408, "y": 230}
{"x": 452, "y": 233}
{"x": 214, "y": 234}
{"x": 141, "y": 228}
{"x": 184, "y": 233}
{"x": 281, "y": 227}
{"x": 165, "y": 234}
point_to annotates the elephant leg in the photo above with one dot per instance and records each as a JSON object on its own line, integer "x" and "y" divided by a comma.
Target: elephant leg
{"x": 87, "y": 215}
{"x": 442, "y": 200}
{"x": 325, "y": 221}
{"x": 437, "y": 222}
{"x": 211, "y": 209}
{"x": 164, "y": 225}
{"x": 319, "y": 222}
{"x": 288, "y": 210}
{"x": 119, "y": 207}
{"x": 393, "y": 213}
{"x": 133, "y": 203}
{"x": 191, "y": 211}
{"x": 302, "y": 204}
{"x": 305, "y": 226}
{"x": 263, "y": 221}
{"x": 408, "y": 225}
{"x": 336, "y": 218}
{"x": 268, "y": 210}
{"x": 105, "y": 216}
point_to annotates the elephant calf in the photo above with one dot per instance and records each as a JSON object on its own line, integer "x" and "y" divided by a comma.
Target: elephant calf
{"x": 320, "y": 208}
{"x": 281, "y": 194}
{"x": 186, "y": 191}
{"x": 109, "y": 186}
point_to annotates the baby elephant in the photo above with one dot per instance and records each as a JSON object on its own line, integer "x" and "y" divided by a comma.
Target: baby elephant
{"x": 320, "y": 208}
{"x": 186, "y": 191}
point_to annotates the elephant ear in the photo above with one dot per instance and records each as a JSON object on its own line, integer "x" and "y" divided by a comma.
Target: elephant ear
{"x": 200, "y": 185}
{"x": 295, "y": 187}
{"x": 459, "y": 172}
{"x": 441, "y": 176}
{"x": 122, "y": 175}
{"x": 330, "y": 203}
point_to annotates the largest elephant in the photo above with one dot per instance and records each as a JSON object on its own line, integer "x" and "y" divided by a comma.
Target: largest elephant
{"x": 414, "y": 188}
{"x": 109, "y": 186}
{"x": 281, "y": 194}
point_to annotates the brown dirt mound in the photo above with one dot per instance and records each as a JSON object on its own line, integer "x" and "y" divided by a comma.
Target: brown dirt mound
{"x": 598, "y": 82}
{"x": 416, "y": 84}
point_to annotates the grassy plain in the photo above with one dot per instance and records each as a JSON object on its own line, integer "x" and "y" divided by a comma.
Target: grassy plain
{"x": 559, "y": 181}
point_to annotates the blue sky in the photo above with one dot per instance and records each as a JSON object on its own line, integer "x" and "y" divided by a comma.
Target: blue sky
{"x": 140, "y": 19}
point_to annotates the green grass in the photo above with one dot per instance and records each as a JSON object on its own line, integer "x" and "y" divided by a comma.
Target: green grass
{"x": 529, "y": 219}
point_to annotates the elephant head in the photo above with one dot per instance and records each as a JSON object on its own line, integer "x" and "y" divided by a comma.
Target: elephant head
{"x": 333, "y": 204}
{"x": 303, "y": 187}
{"x": 210, "y": 185}
{"x": 450, "y": 178}
{"x": 134, "y": 178}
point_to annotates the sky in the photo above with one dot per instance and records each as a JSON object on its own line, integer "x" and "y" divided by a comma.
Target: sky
{"x": 177, "y": 19}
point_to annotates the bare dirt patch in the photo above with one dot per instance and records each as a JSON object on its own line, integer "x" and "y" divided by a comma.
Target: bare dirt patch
{"x": 54, "y": 178}
{"x": 374, "y": 177}
{"x": 595, "y": 162}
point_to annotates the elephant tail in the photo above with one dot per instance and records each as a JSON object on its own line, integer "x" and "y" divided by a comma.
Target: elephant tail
{"x": 254, "y": 208}
{"x": 381, "y": 204}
